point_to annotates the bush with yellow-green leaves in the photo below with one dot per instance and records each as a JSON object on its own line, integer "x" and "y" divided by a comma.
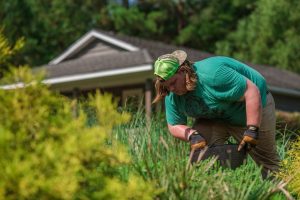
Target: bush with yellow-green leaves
{"x": 291, "y": 167}
{"x": 8, "y": 51}
{"x": 48, "y": 151}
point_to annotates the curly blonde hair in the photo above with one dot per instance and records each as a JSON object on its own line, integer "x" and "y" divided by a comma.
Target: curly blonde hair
{"x": 191, "y": 81}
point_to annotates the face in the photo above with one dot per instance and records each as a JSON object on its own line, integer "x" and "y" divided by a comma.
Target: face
{"x": 176, "y": 84}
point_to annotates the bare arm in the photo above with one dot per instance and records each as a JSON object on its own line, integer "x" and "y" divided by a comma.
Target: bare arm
{"x": 253, "y": 111}
{"x": 181, "y": 131}
{"x": 252, "y": 99}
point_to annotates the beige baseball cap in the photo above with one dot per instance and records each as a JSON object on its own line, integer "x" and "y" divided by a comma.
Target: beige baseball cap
{"x": 167, "y": 65}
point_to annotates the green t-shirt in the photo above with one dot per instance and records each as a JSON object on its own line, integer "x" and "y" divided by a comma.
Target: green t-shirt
{"x": 221, "y": 83}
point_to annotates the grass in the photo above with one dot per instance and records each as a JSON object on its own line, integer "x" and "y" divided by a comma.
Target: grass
{"x": 163, "y": 160}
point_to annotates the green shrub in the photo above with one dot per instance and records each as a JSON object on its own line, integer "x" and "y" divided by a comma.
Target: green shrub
{"x": 48, "y": 152}
{"x": 8, "y": 51}
{"x": 291, "y": 165}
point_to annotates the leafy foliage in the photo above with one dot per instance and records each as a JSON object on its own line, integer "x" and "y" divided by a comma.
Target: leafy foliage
{"x": 48, "y": 26}
{"x": 291, "y": 165}
{"x": 7, "y": 52}
{"x": 270, "y": 35}
{"x": 132, "y": 21}
{"x": 260, "y": 31}
{"x": 48, "y": 152}
{"x": 212, "y": 21}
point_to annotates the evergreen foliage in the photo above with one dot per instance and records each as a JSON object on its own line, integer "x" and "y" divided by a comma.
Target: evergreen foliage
{"x": 48, "y": 152}
{"x": 270, "y": 35}
{"x": 212, "y": 21}
{"x": 8, "y": 51}
{"x": 135, "y": 23}
{"x": 291, "y": 165}
{"x": 260, "y": 31}
{"x": 47, "y": 26}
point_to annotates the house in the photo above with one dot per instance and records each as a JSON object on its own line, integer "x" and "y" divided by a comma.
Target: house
{"x": 123, "y": 65}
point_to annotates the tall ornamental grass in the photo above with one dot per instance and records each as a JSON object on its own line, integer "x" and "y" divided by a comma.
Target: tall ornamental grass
{"x": 160, "y": 158}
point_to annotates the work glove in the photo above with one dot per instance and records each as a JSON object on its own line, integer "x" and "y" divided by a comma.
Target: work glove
{"x": 250, "y": 138}
{"x": 197, "y": 141}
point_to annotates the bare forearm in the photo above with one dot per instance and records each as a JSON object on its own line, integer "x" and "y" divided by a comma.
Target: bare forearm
{"x": 253, "y": 105}
{"x": 181, "y": 131}
{"x": 253, "y": 110}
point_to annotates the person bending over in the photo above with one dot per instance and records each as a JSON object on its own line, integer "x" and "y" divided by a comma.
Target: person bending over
{"x": 225, "y": 97}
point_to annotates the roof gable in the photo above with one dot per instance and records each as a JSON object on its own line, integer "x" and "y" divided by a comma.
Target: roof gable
{"x": 100, "y": 50}
{"x": 93, "y": 43}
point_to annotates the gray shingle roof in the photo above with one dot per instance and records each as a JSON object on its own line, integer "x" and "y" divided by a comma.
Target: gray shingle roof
{"x": 156, "y": 48}
{"x": 150, "y": 50}
{"x": 278, "y": 77}
{"x": 274, "y": 76}
{"x": 96, "y": 63}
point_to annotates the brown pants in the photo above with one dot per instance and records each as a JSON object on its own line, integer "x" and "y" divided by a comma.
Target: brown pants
{"x": 264, "y": 154}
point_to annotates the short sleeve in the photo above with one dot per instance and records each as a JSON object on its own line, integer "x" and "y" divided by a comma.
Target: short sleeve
{"x": 173, "y": 115}
{"x": 228, "y": 84}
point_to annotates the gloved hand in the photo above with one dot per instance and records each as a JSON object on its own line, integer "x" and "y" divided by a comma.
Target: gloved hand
{"x": 197, "y": 141}
{"x": 250, "y": 138}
